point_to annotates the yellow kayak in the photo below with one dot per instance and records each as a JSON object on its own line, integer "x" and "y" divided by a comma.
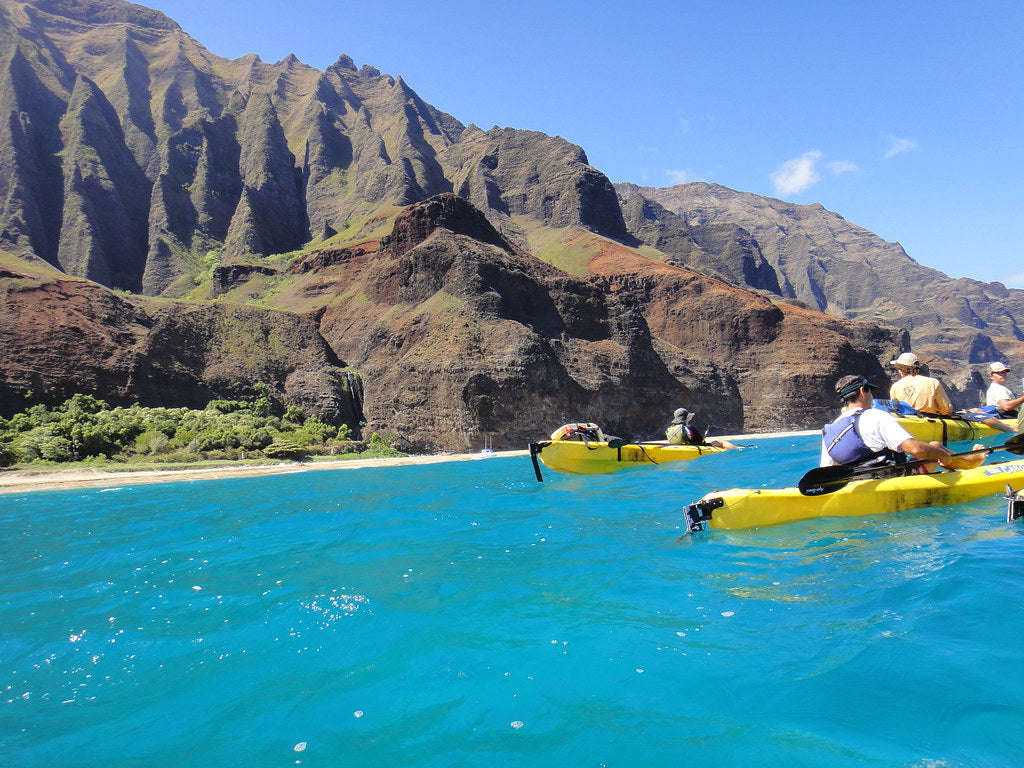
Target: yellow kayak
{"x": 949, "y": 429}
{"x": 736, "y": 508}
{"x": 598, "y": 457}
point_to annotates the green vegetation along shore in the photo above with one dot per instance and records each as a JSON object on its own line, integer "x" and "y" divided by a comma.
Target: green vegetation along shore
{"x": 85, "y": 431}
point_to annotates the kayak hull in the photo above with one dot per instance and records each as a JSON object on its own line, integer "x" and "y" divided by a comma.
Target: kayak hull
{"x": 597, "y": 458}
{"x": 738, "y": 508}
{"x": 949, "y": 430}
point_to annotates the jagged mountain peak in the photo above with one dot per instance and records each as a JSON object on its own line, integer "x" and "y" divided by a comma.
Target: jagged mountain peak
{"x": 344, "y": 61}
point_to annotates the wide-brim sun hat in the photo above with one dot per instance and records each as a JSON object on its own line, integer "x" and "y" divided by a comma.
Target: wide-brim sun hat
{"x": 682, "y": 416}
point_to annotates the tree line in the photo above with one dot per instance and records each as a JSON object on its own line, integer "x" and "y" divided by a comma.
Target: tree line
{"x": 86, "y": 429}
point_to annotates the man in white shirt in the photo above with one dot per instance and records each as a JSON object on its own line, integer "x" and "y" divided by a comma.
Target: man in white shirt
{"x": 864, "y": 436}
{"x": 999, "y": 394}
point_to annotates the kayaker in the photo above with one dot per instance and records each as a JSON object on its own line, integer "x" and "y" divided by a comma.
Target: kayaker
{"x": 680, "y": 432}
{"x": 1000, "y": 395}
{"x": 999, "y": 399}
{"x": 924, "y": 393}
{"x": 863, "y": 436}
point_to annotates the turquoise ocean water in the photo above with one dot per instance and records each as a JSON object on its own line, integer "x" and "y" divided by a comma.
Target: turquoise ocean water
{"x": 463, "y": 614}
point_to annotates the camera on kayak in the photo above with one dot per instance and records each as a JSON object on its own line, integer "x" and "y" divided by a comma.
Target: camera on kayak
{"x": 695, "y": 514}
{"x": 1014, "y": 503}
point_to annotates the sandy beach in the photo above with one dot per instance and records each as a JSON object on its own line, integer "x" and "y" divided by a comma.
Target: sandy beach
{"x": 23, "y": 480}
{"x": 18, "y": 481}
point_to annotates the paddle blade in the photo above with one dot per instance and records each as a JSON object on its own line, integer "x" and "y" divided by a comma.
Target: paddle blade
{"x": 1015, "y": 445}
{"x": 822, "y": 480}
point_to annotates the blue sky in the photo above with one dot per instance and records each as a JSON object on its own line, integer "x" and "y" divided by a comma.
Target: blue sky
{"x": 903, "y": 117}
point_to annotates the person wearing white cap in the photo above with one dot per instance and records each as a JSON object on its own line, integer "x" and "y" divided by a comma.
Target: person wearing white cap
{"x": 680, "y": 432}
{"x": 922, "y": 392}
{"x": 1000, "y": 395}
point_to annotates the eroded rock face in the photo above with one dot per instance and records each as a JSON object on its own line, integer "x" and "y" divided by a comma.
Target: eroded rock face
{"x": 827, "y": 263}
{"x": 60, "y": 335}
{"x": 227, "y": 277}
{"x": 446, "y": 211}
{"x": 507, "y": 172}
{"x": 723, "y": 250}
{"x": 457, "y": 339}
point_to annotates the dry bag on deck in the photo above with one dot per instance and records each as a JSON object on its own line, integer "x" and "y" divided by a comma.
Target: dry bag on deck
{"x": 586, "y": 432}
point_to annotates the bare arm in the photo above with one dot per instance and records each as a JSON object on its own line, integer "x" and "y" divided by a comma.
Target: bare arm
{"x": 943, "y": 456}
{"x": 1010, "y": 405}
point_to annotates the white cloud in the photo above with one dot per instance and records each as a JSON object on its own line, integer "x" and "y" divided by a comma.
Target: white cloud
{"x": 899, "y": 146}
{"x": 797, "y": 174}
{"x": 681, "y": 177}
{"x": 842, "y": 166}
{"x": 1013, "y": 281}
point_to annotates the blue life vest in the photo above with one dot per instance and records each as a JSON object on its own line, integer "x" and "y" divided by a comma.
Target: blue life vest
{"x": 845, "y": 445}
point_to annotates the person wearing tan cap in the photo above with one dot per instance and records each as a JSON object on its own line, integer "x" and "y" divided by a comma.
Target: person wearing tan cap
{"x": 922, "y": 392}
{"x": 1000, "y": 395}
